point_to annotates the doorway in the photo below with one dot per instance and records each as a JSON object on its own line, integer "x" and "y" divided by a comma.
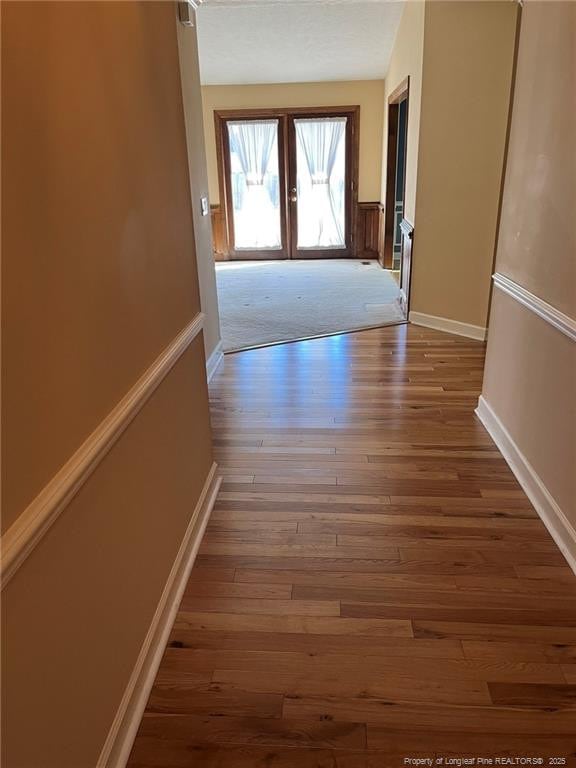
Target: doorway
{"x": 398, "y": 231}
{"x": 288, "y": 182}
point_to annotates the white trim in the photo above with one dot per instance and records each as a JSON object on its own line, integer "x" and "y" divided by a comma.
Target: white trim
{"x": 553, "y": 316}
{"x": 187, "y": 10}
{"x": 214, "y": 360}
{"x": 25, "y": 533}
{"x": 449, "y": 326}
{"x": 550, "y": 513}
{"x": 118, "y": 744}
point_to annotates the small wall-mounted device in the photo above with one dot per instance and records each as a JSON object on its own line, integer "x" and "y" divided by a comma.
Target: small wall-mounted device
{"x": 204, "y": 207}
{"x": 186, "y": 10}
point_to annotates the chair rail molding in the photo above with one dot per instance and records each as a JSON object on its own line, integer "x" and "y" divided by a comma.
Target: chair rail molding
{"x": 553, "y": 316}
{"x": 29, "y": 528}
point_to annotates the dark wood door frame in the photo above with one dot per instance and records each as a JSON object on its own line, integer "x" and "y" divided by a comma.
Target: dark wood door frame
{"x": 401, "y": 93}
{"x": 225, "y": 181}
{"x": 287, "y": 172}
{"x": 352, "y": 119}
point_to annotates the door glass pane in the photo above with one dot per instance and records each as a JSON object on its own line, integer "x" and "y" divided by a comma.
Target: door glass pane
{"x": 255, "y": 183}
{"x": 321, "y": 181}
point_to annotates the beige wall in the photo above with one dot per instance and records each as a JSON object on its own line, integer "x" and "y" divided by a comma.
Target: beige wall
{"x": 192, "y": 99}
{"x": 529, "y": 382}
{"x": 537, "y": 246}
{"x": 367, "y": 93}
{"x": 406, "y": 61}
{"x": 99, "y": 276}
{"x": 76, "y": 613}
{"x": 467, "y": 69}
{"x": 530, "y": 377}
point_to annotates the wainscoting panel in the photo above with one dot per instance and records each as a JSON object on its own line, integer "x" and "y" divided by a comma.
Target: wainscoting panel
{"x": 368, "y": 238}
{"x": 219, "y": 233}
{"x": 369, "y": 230}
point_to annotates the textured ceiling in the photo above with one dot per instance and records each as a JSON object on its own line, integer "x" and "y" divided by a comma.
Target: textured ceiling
{"x": 283, "y": 41}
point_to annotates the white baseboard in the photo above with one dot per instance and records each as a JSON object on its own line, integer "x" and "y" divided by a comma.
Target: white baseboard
{"x": 120, "y": 739}
{"x": 214, "y": 360}
{"x": 550, "y": 513}
{"x": 449, "y": 326}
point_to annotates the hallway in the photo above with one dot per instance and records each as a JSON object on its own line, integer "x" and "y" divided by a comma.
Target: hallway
{"x": 373, "y": 583}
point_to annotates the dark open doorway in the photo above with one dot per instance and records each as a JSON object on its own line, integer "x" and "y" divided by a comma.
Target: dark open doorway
{"x": 397, "y": 231}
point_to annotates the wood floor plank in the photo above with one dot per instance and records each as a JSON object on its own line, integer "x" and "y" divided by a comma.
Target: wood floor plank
{"x": 533, "y": 695}
{"x": 426, "y": 717}
{"x": 552, "y": 587}
{"x": 418, "y": 538}
{"x": 185, "y": 753}
{"x": 212, "y": 699}
{"x": 316, "y": 643}
{"x": 478, "y": 615}
{"x": 558, "y": 607}
{"x": 439, "y": 526}
{"x": 253, "y": 525}
{"x": 271, "y": 538}
{"x": 270, "y": 548}
{"x": 365, "y": 580}
{"x": 211, "y": 574}
{"x": 260, "y": 605}
{"x": 457, "y": 745}
{"x": 531, "y": 571}
{"x": 373, "y": 583}
{"x": 282, "y": 623}
{"x": 367, "y": 669}
{"x": 451, "y": 566}
{"x": 235, "y": 589}
{"x": 569, "y": 672}
{"x": 503, "y": 631}
{"x": 278, "y": 510}
{"x": 256, "y": 731}
{"x": 319, "y": 683}
{"x": 506, "y": 650}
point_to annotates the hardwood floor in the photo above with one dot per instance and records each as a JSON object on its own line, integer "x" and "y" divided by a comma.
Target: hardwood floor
{"x": 373, "y": 584}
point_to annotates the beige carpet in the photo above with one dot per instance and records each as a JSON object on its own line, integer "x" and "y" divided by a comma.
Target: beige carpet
{"x": 267, "y": 301}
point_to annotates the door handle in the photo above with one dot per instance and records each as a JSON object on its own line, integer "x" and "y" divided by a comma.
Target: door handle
{"x": 293, "y": 195}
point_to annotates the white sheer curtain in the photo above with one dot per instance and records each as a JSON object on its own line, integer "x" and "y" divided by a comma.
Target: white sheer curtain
{"x": 321, "y": 179}
{"x": 254, "y": 161}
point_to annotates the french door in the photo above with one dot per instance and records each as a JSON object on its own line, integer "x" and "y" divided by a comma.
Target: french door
{"x": 287, "y": 180}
